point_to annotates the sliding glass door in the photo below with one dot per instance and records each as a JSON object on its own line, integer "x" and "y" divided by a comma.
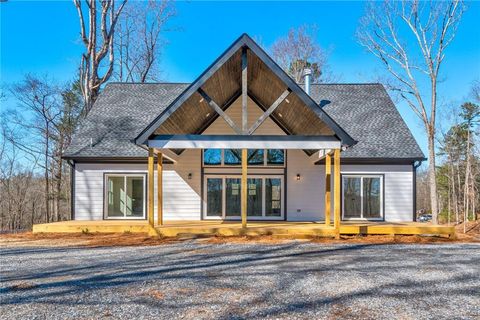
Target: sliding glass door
{"x": 124, "y": 196}
{"x": 362, "y": 197}
{"x": 222, "y": 197}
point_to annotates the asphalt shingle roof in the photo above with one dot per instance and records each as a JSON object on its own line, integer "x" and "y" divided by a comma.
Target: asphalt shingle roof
{"x": 123, "y": 110}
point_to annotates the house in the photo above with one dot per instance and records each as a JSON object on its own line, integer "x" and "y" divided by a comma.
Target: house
{"x": 244, "y": 142}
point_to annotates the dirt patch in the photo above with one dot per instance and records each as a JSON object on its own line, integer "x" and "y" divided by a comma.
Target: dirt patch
{"x": 472, "y": 229}
{"x": 155, "y": 294}
{"x": 81, "y": 239}
{"x": 26, "y": 239}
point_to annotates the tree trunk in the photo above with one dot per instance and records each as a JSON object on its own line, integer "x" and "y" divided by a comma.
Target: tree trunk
{"x": 432, "y": 176}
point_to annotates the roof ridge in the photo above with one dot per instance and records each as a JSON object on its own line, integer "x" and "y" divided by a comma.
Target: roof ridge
{"x": 119, "y": 82}
{"x": 347, "y": 83}
{"x": 313, "y": 84}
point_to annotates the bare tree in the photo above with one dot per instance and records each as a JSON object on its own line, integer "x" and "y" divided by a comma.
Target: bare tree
{"x": 98, "y": 40}
{"x": 410, "y": 39}
{"x": 138, "y": 41}
{"x": 299, "y": 50}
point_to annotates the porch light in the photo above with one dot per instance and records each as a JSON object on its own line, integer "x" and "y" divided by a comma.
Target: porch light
{"x": 280, "y": 115}
{"x": 200, "y": 101}
{"x": 287, "y": 101}
{"x": 298, "y": 176}
{"x": 207, "y": 115}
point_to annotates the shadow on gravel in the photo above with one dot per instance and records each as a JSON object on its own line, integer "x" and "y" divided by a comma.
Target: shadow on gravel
{"x": 76, "y": 271}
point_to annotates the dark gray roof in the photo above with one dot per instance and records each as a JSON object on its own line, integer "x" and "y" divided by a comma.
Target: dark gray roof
{"x": 369, "y": 116}
{"x": 123, "y": 110}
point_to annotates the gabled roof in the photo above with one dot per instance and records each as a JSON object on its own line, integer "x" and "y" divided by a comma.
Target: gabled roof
{"x": 266, "y": 82}
{"x": 123, "y": 110}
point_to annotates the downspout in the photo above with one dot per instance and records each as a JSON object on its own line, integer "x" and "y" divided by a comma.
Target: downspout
{"x": 72, "y": 189}
{"x": 415, "y": 165}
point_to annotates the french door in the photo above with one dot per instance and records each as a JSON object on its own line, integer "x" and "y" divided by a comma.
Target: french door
{"x": 222, "y": 197}
{"x": 362, "y": 197}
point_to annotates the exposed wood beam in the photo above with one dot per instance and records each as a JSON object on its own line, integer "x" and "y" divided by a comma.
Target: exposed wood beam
{"x": 170, "y": 155}
{"x": 243, "y": 141}
{"x": 150, "y": 187}
{"x": 243, "y": 197}
{"x": 224, "y": 107}
{"x": 160, "y": 188}
{"x": 328, "y": 174}
{"x": 219, "y": 110}
{"x": 336, "y": 192}
{"x": 268, "y": 112}
{"x": 244, "y": 91}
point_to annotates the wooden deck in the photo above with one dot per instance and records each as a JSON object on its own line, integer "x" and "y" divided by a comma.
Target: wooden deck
{"x": 234, "y": 228}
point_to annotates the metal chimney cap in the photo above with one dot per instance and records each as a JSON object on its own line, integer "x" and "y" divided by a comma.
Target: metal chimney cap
{"x": 307, "y": 71}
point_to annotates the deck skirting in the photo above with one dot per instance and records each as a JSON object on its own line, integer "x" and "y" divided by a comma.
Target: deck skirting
{"x": 205, "y": 228}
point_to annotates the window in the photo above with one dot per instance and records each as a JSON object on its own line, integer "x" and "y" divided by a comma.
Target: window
{"x": 233, "y": 157}
{"x": 362, "y": 197}
{"x": 212, "y": 157}
{"x": 125, "y": 196}
{"x": 275, "y": 157}
{"x": 222, "y": 197}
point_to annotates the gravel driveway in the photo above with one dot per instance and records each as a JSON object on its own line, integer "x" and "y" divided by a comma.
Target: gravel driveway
{"x": 195, "y": 280}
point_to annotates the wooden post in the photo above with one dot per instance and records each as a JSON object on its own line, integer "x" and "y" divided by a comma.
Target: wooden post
{"x": 150, "y": 186}
{"x": 328, "y": 179}
{"x": 336, "y": 193}
{"x": 160, "y": 188}
{"x": 244, "y": 188}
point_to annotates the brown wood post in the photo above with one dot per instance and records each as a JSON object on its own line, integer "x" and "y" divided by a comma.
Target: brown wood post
{"x": 328, "y": 187}
{"x": 150, "y": 186}
{"x": 160, "y": 188}
{"x": 244, "y": 189}
{"x": 336, "y": 193}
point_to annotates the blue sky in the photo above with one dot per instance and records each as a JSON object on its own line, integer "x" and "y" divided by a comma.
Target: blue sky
{"x": 42, "y": 37}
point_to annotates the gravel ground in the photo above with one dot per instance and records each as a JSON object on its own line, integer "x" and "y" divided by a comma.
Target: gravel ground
{"x": 197, "y": 280}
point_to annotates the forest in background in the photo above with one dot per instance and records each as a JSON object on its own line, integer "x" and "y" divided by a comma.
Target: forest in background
{"x": 35, "y": 180}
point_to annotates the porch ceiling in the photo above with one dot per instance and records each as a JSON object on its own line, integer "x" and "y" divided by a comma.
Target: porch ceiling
{"x": 191, "y": 114}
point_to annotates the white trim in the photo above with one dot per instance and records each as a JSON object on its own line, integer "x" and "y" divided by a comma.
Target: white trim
{"x": 105, "y": 195}
{"x": 223, "y": 177}
{"x": 243, "y": 142}
{"x": 362, "y": 176}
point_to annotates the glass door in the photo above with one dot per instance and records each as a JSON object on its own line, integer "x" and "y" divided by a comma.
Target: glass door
{"x": 124, "y": 196}
{"x": 362, "y": 197}
{"x": 232, "y": 197}
{"x": 222, "y": 197}
{"x": 214, "y": 197}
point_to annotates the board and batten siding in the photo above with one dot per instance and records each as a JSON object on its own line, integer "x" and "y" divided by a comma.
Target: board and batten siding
{"x": 181, "y": 195}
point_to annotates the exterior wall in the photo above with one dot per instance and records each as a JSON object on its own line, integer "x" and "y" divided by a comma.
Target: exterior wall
{"x": 398, "y": 186}
{"x": 306, "y": 198}
{"x": 181, "y": 195}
